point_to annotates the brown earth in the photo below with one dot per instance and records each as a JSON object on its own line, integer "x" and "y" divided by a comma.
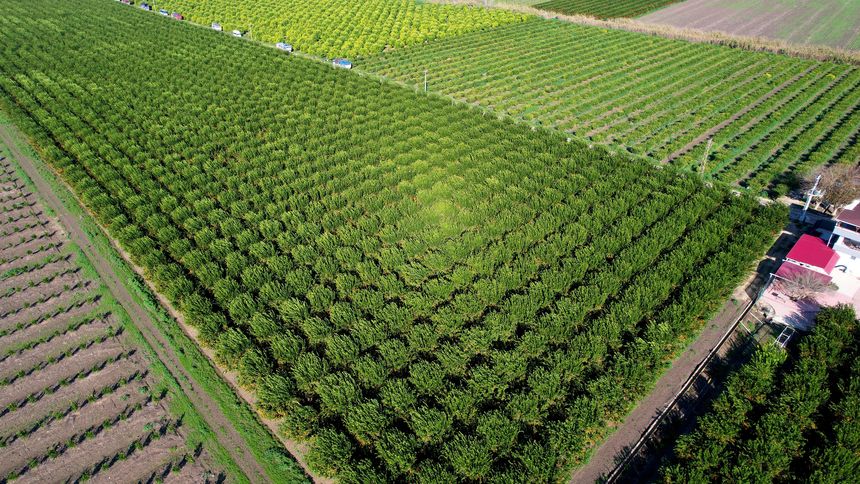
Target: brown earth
{"x": 72, "y": 408}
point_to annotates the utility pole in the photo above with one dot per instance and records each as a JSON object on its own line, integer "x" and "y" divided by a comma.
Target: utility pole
{"x": 707, "y": 153}
{"x": 812, "y": 193}
{"x": 425, "y": 80}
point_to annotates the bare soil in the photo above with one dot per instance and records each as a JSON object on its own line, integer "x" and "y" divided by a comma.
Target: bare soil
{"x": 15, "y": 337}
{"x": 54, "y": 298}
{"x": 55, "y": 349}
{"x": 87, "y": 454}
{"x": 49, "y": 378}
{"x": 77, "y": 394}
{"x": 17, "y": 454}
{"x": 155, "y": 463}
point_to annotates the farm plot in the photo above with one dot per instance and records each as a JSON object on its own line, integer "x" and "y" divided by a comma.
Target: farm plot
{"x": 419, "y": 291}
{"x": 783, "y": 417}
{"x": 826, "y": 22}
{"x": 341, "y": 27}
{"x": 605, "y": 8}
{"x": 77, "y": 399}
{"x": 770, "y": 116}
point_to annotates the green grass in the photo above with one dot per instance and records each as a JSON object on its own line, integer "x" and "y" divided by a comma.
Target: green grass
{"x": 264, "y": 446}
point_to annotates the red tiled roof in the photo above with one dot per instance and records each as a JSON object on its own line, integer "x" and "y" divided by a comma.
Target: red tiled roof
{"x": 850, "y": 216}
{"x": 789, "y": 271}
{"x": 814, "y": 252}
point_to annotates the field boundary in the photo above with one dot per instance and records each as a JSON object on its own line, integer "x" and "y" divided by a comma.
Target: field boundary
{"x": 205, "y": 394}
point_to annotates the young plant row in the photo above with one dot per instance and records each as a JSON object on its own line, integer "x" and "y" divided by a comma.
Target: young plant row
{"x": 624, "y": 88}
{"x": 420, "y": 291}
{"x": 77, "y": 302}
{"x": 74, "y": 406}
{"x": 782, "y": 418}
{"x": 53, "y": 388}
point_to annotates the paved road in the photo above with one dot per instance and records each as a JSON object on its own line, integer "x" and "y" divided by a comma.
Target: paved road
{"x": 229, "y": 438}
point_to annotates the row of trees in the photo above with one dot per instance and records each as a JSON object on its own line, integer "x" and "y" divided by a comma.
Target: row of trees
{"x": 420, "y": 291}
{"x": 783, "y": 418}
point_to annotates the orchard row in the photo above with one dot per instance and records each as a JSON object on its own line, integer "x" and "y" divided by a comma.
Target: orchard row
{"x": 419, "y": 290}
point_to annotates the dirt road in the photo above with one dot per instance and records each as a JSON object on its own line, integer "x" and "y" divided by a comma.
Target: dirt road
{"x": 608, "y": 454}
{"x": 206, "y": 406}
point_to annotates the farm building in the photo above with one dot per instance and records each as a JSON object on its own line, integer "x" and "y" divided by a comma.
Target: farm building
{"x": 845, "y": 238}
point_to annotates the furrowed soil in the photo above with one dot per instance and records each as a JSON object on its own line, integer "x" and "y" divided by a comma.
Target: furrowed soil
{"x": 77, "y": 399}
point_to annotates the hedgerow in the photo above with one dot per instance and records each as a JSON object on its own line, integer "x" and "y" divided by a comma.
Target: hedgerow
{"x": 420, "y": 291}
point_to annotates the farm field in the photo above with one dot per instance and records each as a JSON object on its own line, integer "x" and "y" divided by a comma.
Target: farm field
{"x": 783, "y": 417}
{"x": 78, "y": 397}
{"x": 770, "y": 117}
{"x": 341, "y": 28}
{"x": 415, "y": 289}
{"x": 604, "y": 8}
{"x": 835, "y": 23}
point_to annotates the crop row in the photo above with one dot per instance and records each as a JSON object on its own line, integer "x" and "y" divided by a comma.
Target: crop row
{"x": 381, "y": 267}
{"x": 340, "y": 27}
{"x": 604, "y": 8}
{"x": 777, "y": 419}
{"x": 658, "y": 97}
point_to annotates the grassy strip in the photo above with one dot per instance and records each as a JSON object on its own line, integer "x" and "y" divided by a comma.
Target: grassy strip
{"x": 268, "y": 450}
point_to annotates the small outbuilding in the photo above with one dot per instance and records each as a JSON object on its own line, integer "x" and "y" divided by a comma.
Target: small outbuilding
{"x": 342, "y": 63}
{"x": 813, "y": 253}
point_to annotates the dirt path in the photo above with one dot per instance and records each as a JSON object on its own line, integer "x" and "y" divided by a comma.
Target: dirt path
{"x": 605, "y": 458}
{"x": 210, "y": 411}
{"x": 674, "y": 381}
